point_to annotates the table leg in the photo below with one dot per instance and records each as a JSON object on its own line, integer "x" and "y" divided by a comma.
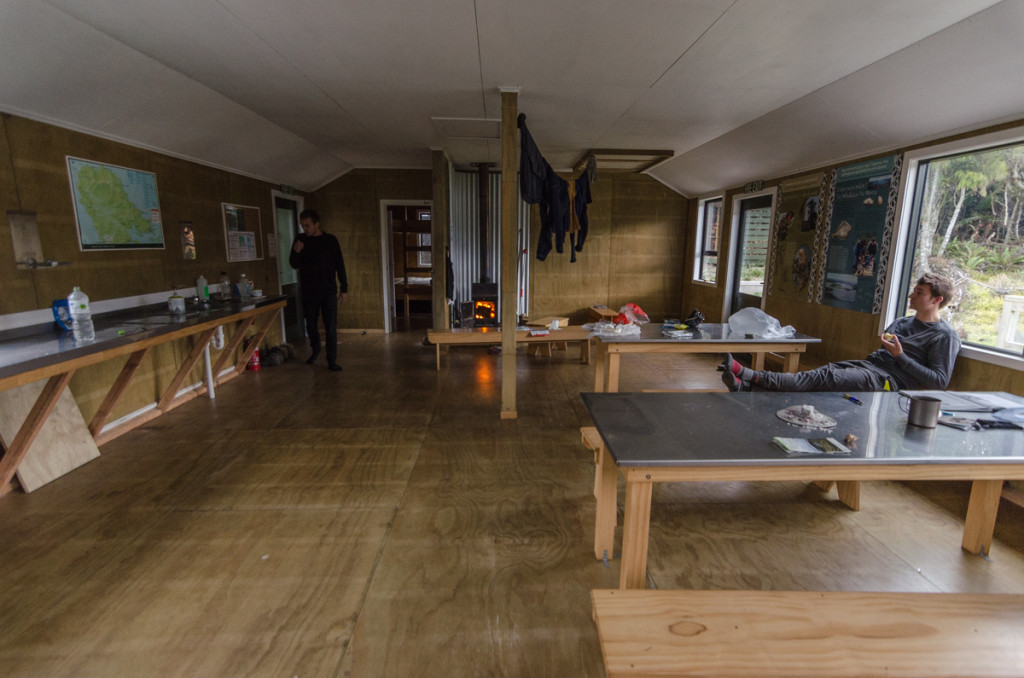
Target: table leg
{"x": 600, "y": 365}
{"x": 757, "y": 361}
{"x": 791, "y": 362}
{"x": 980, "y": 523}
{"x": 605, "y": 489}
{"x": 613, "y": 373}
{"x": 585, "y": 351}
{"x": 849, "y": 493}
{"x": 116, "y": 390}
{"x": 636, "y": 529}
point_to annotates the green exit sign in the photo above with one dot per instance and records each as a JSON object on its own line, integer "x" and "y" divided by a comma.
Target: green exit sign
{"x": 287, "y": 190}
{"x": 753, "y": 186}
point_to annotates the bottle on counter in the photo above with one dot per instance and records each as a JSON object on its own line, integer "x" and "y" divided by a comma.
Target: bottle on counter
{"x": 81, "y": 316}
{"x": 225, "y": 285}
{"x": 243, "y": 287}
{"x": 202, "y": 288}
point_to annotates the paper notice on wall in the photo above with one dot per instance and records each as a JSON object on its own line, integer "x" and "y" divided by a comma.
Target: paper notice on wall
{"x": 241, "y": 245}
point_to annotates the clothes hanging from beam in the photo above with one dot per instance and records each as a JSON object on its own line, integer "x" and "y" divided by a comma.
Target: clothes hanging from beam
{"x": 562, "y": 204}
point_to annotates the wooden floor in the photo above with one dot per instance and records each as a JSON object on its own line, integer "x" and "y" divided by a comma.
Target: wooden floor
{"x": 383, "y": 521}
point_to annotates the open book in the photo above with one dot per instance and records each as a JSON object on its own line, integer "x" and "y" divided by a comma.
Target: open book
{"x": 796, "y": 447}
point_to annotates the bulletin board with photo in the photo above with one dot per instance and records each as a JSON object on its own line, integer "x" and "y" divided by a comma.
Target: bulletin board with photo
{"x": 243, "y": 233}
{"x": 798, "y": 219}
{"x": 858, "y": 231}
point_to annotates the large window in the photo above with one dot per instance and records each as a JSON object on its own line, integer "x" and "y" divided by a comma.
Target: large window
{"x": 709, "y": 228}
{"x": 963, "y": 209}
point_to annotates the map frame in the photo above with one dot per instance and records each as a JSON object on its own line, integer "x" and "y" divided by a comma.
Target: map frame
{"x": 84, "y": 244}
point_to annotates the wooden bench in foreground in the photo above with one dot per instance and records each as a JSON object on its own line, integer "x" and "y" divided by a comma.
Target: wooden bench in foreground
{"x": 802, "y": 633}
{"x": 492, "y": 337}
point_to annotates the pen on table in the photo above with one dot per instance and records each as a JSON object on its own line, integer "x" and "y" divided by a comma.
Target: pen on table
{"x": 852, "y": 399}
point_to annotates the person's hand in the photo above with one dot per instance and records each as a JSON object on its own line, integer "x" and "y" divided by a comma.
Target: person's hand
{"x": 342, "y": 296}
{"x": 298, "y": 245}
{"x": 891, "y": 343}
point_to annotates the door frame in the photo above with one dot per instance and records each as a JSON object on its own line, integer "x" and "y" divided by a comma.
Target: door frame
{"x": 386, "y": 276}
{"x": 734, "y": 228}
{"x": 300, "y": 204}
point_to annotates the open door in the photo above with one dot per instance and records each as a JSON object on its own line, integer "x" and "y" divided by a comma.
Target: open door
{"x": 286, "y": 225}
{"x": 748, "y": 261}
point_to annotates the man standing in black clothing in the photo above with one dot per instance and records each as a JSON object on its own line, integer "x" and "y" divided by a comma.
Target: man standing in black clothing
{"x": 317, "y": 256}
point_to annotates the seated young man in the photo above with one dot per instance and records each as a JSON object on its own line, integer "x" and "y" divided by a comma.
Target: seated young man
{"x": 917, "y": 352}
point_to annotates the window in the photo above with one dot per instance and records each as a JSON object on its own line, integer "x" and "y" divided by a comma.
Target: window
{"x": 962, "y": 213}
{"x": 423, "y": 256}
{"x": 709, "y": 228}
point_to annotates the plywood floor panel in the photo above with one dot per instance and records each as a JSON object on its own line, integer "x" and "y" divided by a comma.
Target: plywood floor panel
{"x": 409, "y": 531}
{"x": 195, "y": 595}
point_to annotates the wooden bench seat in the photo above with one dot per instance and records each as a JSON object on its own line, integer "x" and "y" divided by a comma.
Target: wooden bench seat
{"x": 492, "y": 337}
{"x": 802, "y": 633}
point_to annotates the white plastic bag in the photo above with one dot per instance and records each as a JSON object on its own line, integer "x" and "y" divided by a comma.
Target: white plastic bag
{"x": 603, "y": 328}
{"x": 760, "y": 324}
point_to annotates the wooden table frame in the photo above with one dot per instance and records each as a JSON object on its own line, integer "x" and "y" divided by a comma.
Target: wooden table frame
{"x": 492, "y": 337}
{"x": 60, "y": 373}
{"x": 609, "y": 353}
{"x": 979, "y": 524}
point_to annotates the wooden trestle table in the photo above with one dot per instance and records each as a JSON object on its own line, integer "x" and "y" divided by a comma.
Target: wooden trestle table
{"x": 707, "y": 338}
{"x": 43, "y": 352}
{"x": 698, "y": 437}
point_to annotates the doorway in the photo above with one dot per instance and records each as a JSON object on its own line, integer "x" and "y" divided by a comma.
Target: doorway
{"x": 407, "y": 264}
{"x": 286, "y": 226}
{"x": 751, "y": 231}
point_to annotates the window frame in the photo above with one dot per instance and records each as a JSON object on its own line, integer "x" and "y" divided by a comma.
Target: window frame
{"x": 698, "y": 247}
{"x": 905, "y": 227}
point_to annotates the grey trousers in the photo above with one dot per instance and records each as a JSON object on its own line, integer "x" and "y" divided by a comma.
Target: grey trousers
{"x": 849, "y": 375}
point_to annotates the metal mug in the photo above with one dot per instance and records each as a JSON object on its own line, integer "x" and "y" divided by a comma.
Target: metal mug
{"x": 923, "y": 411}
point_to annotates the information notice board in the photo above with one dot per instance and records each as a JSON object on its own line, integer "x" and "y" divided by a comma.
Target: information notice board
{"x": 243, "y": 233}
{"x": 859, "y": 223}
{"x": 795, "y": 245}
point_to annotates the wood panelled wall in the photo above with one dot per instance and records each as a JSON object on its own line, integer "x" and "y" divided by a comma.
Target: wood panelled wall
{"x": 34, "y": 177}
{"x": 633, "y": 253}
{"x": 349, "y": 208}
{"x": 845, "y": 334}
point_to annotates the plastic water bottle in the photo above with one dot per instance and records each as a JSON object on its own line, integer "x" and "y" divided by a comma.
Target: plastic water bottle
{"x": 81, "y": 317}
{"x": 202, "y": 288}
{"x": 243, "y": 287}
{"x": 225, "y": 286}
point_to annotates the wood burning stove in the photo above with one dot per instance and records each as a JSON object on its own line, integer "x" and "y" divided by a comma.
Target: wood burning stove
{"x": 484, "y": 293}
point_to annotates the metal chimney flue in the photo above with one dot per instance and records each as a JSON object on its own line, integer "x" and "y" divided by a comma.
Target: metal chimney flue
{"x": 484, "y": 291}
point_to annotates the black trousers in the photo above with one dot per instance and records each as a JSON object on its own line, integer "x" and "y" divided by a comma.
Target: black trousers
{"x": 322, "y": 304}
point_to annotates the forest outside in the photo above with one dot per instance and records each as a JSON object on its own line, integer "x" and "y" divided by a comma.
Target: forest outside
{"x": 969, "y": 227}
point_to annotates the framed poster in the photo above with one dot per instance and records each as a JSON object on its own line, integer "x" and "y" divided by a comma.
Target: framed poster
{"x": 861, "y": 211}
{"x": 797, "y": 221}
{"x": 115, "y": 207}
{"x": 243, "y": 234}
{"x": 188, "y": 241}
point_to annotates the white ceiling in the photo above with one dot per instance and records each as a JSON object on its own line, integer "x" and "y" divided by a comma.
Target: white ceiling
{"x": 301, "y": 92}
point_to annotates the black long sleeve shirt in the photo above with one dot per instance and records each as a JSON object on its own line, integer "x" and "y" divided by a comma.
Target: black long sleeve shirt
{"x": 319, "y": 263}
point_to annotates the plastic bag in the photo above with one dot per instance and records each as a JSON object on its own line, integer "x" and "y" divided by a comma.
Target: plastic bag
{"x": 631, "y": 314}
{"x": 758, "y": 323}
{"x": 605, "y": 328}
